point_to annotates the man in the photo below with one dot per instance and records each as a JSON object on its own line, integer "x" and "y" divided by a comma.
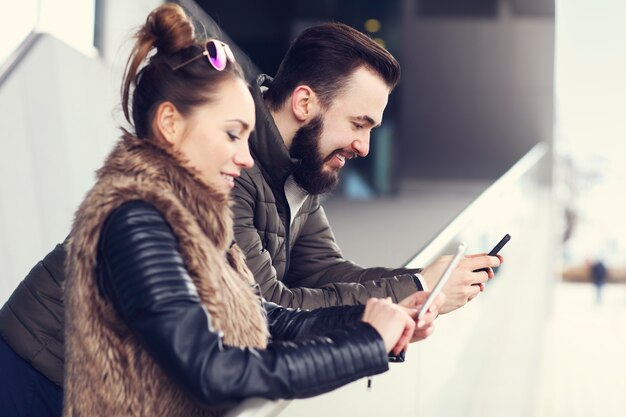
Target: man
{"x": 306, "y": 133}
{"x": 329, "y": 93}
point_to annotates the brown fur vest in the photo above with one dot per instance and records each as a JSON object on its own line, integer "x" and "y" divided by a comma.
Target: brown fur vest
{"x": 107, "y": 372}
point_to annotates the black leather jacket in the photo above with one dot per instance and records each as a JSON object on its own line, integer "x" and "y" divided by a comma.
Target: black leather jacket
{"x": 140, "y": 270}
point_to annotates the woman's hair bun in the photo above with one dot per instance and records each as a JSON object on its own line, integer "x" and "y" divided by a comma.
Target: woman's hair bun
{"x": 168, "y": 28}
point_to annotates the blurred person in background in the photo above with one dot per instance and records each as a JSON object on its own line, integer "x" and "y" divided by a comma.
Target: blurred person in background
{"x": 598, "y": 276}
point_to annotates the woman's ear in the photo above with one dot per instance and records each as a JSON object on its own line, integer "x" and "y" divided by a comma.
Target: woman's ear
{"x": 169, "y": 123}
{"x": 304, "y": 103}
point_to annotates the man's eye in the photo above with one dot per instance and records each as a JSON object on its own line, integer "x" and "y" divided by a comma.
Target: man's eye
{"x": 357, "y": 125}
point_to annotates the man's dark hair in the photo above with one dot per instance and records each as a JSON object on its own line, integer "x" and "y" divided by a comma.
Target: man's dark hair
{"x": 324, "y": 57}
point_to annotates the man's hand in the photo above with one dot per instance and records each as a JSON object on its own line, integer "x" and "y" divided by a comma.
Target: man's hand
{"x": 464, "y": 284}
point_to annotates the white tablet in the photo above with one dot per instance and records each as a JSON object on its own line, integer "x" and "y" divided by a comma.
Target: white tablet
{"x": 442, "y": 281}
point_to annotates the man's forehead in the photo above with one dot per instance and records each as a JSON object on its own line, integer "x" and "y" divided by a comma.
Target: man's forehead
{"x": 361, "y": 106}
{"x": 365, "y": 95}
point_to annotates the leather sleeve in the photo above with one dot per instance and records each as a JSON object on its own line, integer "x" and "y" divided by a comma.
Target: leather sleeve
{"x": 289, "y": 324}
{"x": 142, "y": 273}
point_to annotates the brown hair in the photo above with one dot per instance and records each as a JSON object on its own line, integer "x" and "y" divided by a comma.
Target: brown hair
{"x": 170, "y": 31}
{"x": 324, "y": 57}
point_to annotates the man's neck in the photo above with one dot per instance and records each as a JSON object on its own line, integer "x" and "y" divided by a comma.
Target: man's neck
{"x": 286, "y": 124}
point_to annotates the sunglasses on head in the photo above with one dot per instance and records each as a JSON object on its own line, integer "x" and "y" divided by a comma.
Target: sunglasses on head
{"x": 217, "y": 52}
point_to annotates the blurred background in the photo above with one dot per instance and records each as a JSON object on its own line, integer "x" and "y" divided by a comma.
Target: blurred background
{"x": 509, "y": 118}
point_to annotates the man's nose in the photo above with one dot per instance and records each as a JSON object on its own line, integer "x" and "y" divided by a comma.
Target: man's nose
{"x": 362, "y": 146}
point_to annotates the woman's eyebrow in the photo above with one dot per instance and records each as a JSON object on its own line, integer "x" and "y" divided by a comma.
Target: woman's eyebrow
{"x": 245, "y": 125}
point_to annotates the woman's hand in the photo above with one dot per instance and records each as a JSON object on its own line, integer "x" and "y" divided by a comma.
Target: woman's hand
{"x": 425, "y": 325}
{"x": 394, "y": 323}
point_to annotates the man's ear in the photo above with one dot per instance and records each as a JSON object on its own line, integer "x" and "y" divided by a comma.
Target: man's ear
{"x": 169, "y": 123}
{"x": 304, "y": 103}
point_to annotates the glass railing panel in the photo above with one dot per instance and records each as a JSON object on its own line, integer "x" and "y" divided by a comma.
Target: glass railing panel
{"x": 482, "y": 358}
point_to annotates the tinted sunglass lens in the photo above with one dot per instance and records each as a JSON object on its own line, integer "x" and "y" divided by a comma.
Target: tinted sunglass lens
{"x": 217, "y": 56}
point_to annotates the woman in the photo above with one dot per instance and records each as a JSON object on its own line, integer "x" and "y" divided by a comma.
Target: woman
{"x": 161, "y": 313}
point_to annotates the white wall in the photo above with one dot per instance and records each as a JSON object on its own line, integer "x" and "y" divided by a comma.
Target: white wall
{"x": 59, "y": 112}
{"x": 119, "y": 19}
{"x": 57, "y": 125}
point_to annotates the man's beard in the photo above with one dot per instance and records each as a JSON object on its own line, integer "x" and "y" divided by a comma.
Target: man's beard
{"x": 310, "y": 176}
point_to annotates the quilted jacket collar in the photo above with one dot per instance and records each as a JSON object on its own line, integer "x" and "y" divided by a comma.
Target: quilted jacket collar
{"x": 266, "y": 143}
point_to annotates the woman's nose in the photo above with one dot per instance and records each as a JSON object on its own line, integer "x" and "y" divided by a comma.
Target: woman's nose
{"x": 243, "y": 158}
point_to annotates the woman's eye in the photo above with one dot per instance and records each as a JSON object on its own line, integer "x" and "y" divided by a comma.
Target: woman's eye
{"x": 232, "y": 136}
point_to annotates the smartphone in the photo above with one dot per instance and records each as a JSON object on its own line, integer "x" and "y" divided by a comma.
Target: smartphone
{"x": 496, "y": 249}
{"x": 442, "y": 281}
